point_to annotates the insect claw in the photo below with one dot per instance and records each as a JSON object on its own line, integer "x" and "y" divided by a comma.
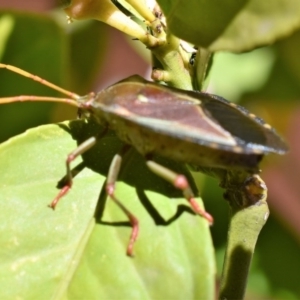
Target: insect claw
{"x": 209, "y": 218}
{"x": 182, "y": 183}
{"x": 134, "y": 222}
{"x": 62, "y": 192}
{"x": 134, "y": 234}
{"x": 129, "y": 251}
{"x": 198, "y": 210}
{"x": 51, "y": 206}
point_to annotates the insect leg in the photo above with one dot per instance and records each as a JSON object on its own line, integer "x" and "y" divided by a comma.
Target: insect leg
{"x": 85, "y": 146}
{"x": 112, "y": 176}
{"x": 180, "y": 182}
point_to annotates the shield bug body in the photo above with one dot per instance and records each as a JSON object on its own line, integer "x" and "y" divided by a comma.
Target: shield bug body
{"x": 206, "y": 131}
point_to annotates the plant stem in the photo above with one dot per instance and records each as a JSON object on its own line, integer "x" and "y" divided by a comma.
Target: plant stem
{"x": 249, "y": 212}
{"x": 175, "y": 67}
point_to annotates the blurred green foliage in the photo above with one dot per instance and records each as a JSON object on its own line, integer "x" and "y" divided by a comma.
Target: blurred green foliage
{"x": 266, "y": 80}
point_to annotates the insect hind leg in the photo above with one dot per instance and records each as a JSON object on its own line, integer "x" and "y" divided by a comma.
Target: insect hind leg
{"x": 179, "y": 181}
{"x": 112, "y": 176}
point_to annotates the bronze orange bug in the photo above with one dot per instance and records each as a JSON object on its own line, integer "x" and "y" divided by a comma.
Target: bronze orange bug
{"x": 203, "y": 130}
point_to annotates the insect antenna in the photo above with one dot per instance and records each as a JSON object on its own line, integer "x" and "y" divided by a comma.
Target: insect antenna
{"x": 72, "y": 100}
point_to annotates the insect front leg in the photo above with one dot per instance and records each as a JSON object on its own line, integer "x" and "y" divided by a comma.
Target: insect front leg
{"x": 85, "y": 146}
{"x": 179, "y": 181}
{"x": 112, "y": 176}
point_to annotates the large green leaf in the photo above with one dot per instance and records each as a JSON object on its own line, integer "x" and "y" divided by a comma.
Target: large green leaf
{"x": 231, "y": 25}
{"x": 66, "y": 254}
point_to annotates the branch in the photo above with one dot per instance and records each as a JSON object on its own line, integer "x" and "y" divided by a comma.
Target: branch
{"x": 249, "y": 212}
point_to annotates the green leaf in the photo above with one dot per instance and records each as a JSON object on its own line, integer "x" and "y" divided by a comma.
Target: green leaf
{"x": 87, "y": 48}
{"x": 35, "y": 43}
{"x": 200, "y": 22}
{"x": 259, "y": 23}
{"x": 289, "y": 49}
{"x": 65, "y": 254}
{"x": 231, "y": 25}
{"x": 67, "y": 56}
{"x": 245, "y": 72}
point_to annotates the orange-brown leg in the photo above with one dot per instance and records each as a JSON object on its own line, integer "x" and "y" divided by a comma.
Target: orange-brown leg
{"x": 179, "y": 181}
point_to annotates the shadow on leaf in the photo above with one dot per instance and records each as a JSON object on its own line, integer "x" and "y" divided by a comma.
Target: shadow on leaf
{"x": 134, "y": 171}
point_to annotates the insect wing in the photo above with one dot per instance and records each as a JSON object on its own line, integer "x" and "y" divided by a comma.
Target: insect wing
{"x": 252, "y": 132}
{"x": 194, "y": 117}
